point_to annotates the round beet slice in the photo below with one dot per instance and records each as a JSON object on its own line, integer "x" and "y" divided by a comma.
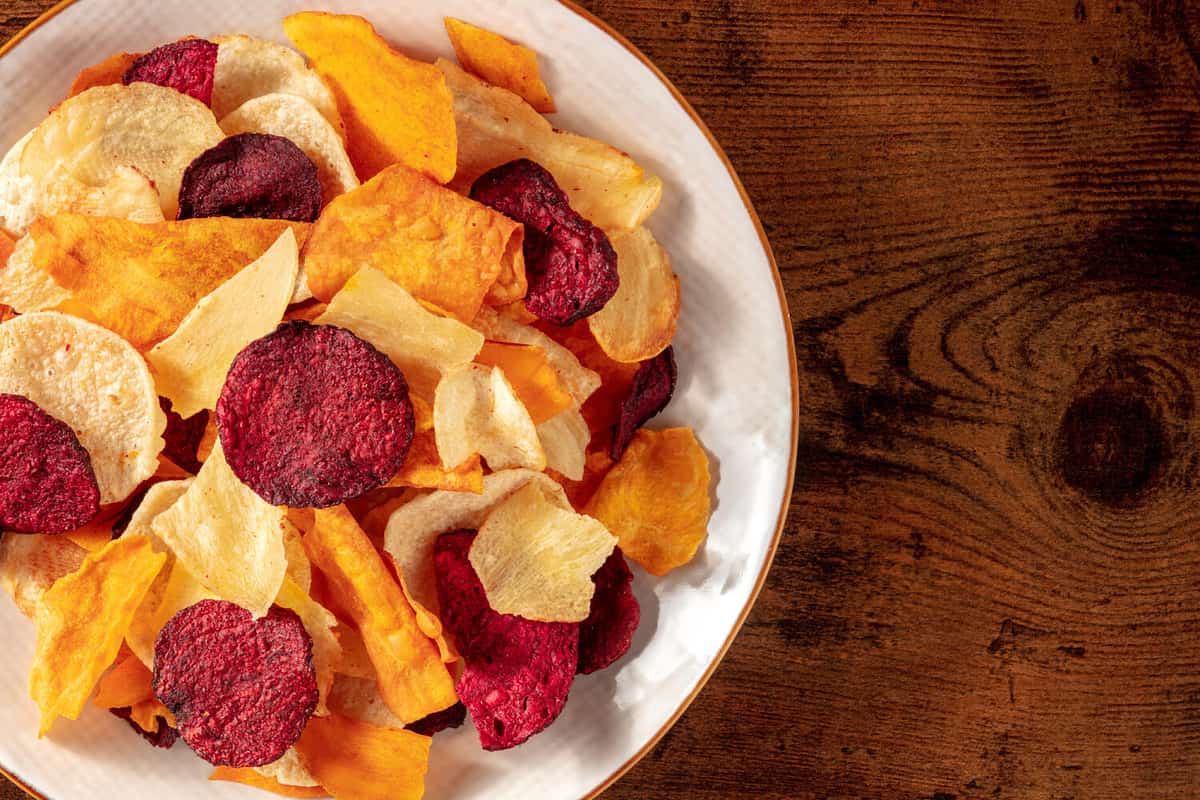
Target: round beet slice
{"x": 311, "y": 416}
{"x": 251, "y": 175}
{"x": 187, "y": 66}
{"x": 241, "y": 689}
{"x": 46, "y": 480}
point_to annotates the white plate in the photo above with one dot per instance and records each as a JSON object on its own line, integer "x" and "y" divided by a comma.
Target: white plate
{"x": 737, "y": 388}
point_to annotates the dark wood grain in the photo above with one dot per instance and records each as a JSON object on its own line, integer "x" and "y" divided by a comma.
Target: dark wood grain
{"x": 988, "y": 219}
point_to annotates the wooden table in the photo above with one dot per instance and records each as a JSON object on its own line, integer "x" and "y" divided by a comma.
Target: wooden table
{"x": 987, "y": 216}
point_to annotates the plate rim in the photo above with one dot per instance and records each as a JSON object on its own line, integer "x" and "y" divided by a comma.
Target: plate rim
{"x": 793, "y": 370}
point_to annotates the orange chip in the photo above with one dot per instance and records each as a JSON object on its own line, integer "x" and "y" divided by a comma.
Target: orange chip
{"x": 602, "y": 409}
{"x": 7, "y": 243}
{"x": 501, "y": 63}
{"x": 97, "y": 533}
{"x": 140, "y": 281}
{"x": 655, "y": 500}
{"x": 397, "y": 110}
{"x": 250, "y": 777}
{"x": 74, "y": 649}
{"x": 429, "y": 622}
{"x": 109, "y": 71}
{"x": 130, "y": 685}
{"x": 423, "y": 469}
{"x": 442, "y": 247}
{"x": 412, "y": 678}
{"x": 358, "y": 760}
{"x": 595, "y": 468}
{"x": 532, "y": 378}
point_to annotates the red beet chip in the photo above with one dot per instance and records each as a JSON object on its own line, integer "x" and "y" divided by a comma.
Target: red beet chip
{"x": 187, "y": 66}
{"x": 572, "y": 266}
{"x": 608, "y": 631}
{"x": 311, "y": 416}
{"x": 251, "y": 175}
{"x": 46, "y": 480}
{"x": 164, "y": 738}
{"x": 183, "y": 436}
{"x": 241, "y": 689}
{"x": 653, "y": 385}
{"x": 439, "y": 721}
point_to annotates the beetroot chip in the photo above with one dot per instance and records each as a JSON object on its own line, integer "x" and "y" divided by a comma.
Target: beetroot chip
{"x": 183, "y": 436}
{"x": 187, "y": 66}
{"x": 46, "y": 480}
{"x": 241, "y": 689}
{"x": 518, "y": 672}
{"x": 653, "y": 385}
{"x": 311, "y": 416}
{"x": 608, "y": 631}
{"x": 164, "y": 738}
{"x": 438, "y": 721}
{"x": 251, "y": 175}
{"x": 572, "y": 266}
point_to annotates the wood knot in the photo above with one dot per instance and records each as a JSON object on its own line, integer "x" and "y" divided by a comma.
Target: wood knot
{"x": 1112, "y": 446}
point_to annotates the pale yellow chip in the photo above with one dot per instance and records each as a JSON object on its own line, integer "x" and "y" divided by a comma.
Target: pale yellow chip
{"x": 299, "y": 568}
{"x": 30, "y": 564}
{"x": 639, "y": 322}
{"x": 157, "y": 499}
{"x": 414, "y": 527}
{"x": 175, "y": 590}
{"x": 17, "y": 191}
{"x": 536, "y": 559}
{"x": 475, "y": 410}
{"x": 289, "y": 771}
{"x": 577, "y": 379}
{"x": 296, "y": 119}
{"x": 26, "y": 287}
{"x": 94, "y": 381}
{"x": 153, "y": 129}
{"x": 359, "y": 698}
{"x": 190, "y": 365}
{"x": 327, "y": 652}
{"x": 565, "y": 438}
{"x": 422, "y": 344}
{"x": 128, "y": 194}
{"x": 496, "y": 126}
{"x": 228, "y": 537}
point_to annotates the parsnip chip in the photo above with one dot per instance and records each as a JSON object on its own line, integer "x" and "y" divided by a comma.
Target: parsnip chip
{"x": 165, "y": 599}
{"x": 93, "y": 381}
{"x": 496, "y": 126}
{"x": 295, "y": 118}
{"x": 422, "y": 344}
{"x": 128, "y": 194}
{"x": 359, "y": 698}
{"x": 565, "y": 438}
{"x": 414, "y": 526}
{"x": 423, "y": 469}
{"x": 108, "y": 72}
{"x": 228, "y": 537}
{"x": 254, "y": 778}
{"x": 429, "y": 623}
{"x": 30, "y": 564}
{"x": 639, "y": 322}
{"x": 327, "y": 652}
{"x": 299, "y": 568}
{"x": 475, "y": 410}
{"x": 140, "y": 281}
{"x": 397, "y": 110}
{"x": 153, "y": 129}
{"x": 500, "y": 62}
{"x": 536, "y": 559}
{"x": 190, "y": 365}
{"x": 412, "y": 678}
{"x": 110, "y": 585}
{"x": 24, "y": 286}
{"x": 577, "y": 379}
{"x": 440, "y": 246}
{"x": 356, "y": 662}
{"x": 655, "y": 500}
{"x": 358, "y": 760}
{"x": 158, "y": 498}
{"x": 248, "y": 67}
{"x": 18, "y": 192}
{"x": 289, "y": 771}
{"x": 531, "y": 375}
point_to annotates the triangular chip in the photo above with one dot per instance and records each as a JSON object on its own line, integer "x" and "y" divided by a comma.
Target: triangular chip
{"x": 531, "y": 375}
{"x": 476, "y": 410}
{"x": 500, "y": 62}
{"x": 640, "y": 320}
{"x": 327, "y": 652}
{"x": 31, "y": 563}
{"x": 357, "y": 760}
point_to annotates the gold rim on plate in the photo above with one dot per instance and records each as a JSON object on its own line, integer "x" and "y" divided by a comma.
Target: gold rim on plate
{"x": 616, "y": 36}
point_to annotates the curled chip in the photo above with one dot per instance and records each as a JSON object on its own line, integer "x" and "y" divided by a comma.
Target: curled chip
{"x": 572, "y": 266}
{"x": 311, "y": 416}
{"x": 577, "y": 379}
{"x": 183, "y": 437}
{"x": 653, "y": 386}
{"x": 518, "y": 672}
{"x": 500, "y": 62}
{"x": 30, "y": 565}
{"x": 249, "y": 67}
{"x": 251, "y": 175}
{"x": 161, "y": 735}
{"x": 353, "y": 759}
{"x": 475, "y": 410}
{"x": 452, "y": 717}
{"x": 242, "y": 689}
{"x": 608, "y": 631}
{"x": 109, "y": 71}
{"x": 531, "y": 375}
{"x": 46, "y": 479}
{"x": 640, "y": 320}
{"x": 186, "y": 66}
{"x": 128, "y": 194}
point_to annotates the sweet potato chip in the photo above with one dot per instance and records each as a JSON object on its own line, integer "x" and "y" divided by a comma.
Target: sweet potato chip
{"x": 440, "y": 246}
{"x": 500, "y": 62}
{"x": 640, "y": 320}
{"x": 249, "y": 67}
{"x": 397, "y": 110}
{"x": 495, "y": 127}
{"x": 655, "y": 501}
{"x": 128, "y": 685}
{"x": 580, "y": 491}
{"x": 475, "y": 410}
{"x": 531, "y": 375}
{"x": 327, "y": 652}
{"x": 412, "y": 678}
{"x": 99, "y": 532}
{"x": 251, "y": 777}
{"x": 30, "y": 564}
{"x": 423, "y": 469}
{"x": 577, "y": 379}
{"x": 357, "y": 760}
{"x": 565, "y": 438}
{"x": 359, "y": 698}
{"x": 110, "y": 585}
{"x": 108, "y": 72}
{"x": 422, "y": 344}
{"x": 190, "y": 365}
{"x": 7, "y": 243}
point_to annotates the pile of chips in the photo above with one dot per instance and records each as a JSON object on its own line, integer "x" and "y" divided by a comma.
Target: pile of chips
{"x": 323, "y": 380}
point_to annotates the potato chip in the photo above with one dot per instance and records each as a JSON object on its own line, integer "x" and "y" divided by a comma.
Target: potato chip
{"x": 25, "y": 287}
{"x": 440, "y": 246}
{"x": 93, "y": 381}
{"x": 422, "y": 344}
{"x": 73, "y": 650}
{"x": 495, "y": 127}
{"x": 17, "y": 191}
{"x": 153, "y": 129}
{"x": 289, "y": 771}
{"x": 128, "y": 194}
{"x": 412, "y": 678}
{"x": 166, "y": 598}
{"x": 254, "y": 778}
{"x": 30, "y": 564}
{"x": 397, "y": 110}
{"x": 108, "y": 72}
{"x": 327, "y": 652}
{"x": 190, "y": 365}
{"x": 475, "y": 410}
{"x": 640, "y": 320}
{"x": 580, "y": 381}
{"x": 531, "y": 375}
{"x": 297, "y": 120}
{"x": 565, "y": 438}
{"x": 423, "y": 469}
{"x": 228, "y": 537}
{"x": 359, "y": 698}
{"x": 656, "y": 501}
{"x": 536, "y": 559}
{"x": 500, "y": 62}
{"x": 248, "y": 67}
